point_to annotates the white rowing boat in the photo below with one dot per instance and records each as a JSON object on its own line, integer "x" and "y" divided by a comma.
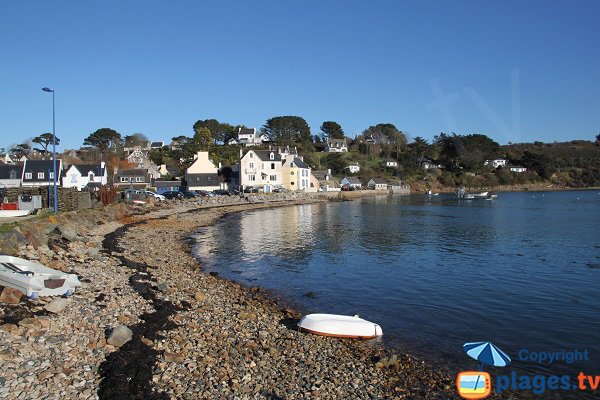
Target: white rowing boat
{"x": 14, "y": 213}
{"x": 339, "y": 326}
{"x": 34, "y": 279}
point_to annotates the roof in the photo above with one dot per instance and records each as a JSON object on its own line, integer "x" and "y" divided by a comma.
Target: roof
{"x": 6, "y": 169}
{"x": 352, "y": 180}
{"x": 202, "y": 179}
{"x": 379, "y": 181}
{"x": 37, "y": 166}
{"x": 390, "y": 160}
{"x": 299, "y": 163}
{"x": 246, "y": 131}
{"x": 336, "y": 142}
{"x": 265, "y": 155}
{"x": 163, "y": 184}
{"x": 157, "y": 144}
{"x": 85, "y": 169}
{"x": 132, "y": 172}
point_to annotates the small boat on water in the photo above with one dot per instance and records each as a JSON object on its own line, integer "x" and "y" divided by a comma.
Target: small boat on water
{"x": 480, "y": 195}
{"x": 34, "y": 279}
{"x": 341, "y": 326}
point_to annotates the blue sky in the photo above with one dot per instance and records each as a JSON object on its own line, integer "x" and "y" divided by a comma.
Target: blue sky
{"x": 516, "y": 71}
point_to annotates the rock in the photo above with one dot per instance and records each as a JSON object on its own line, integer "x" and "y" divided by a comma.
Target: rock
{"x": 200, "y": 297}
{"x": 163, "y": 286}
{"x": 10, "y": 328}
{"x": 119, "y": 336}
{"x": 57, "y": 305}
{"x": 30, "y": 323}
{"x": 44, "y": 322}
{"x": 173, "y": 357}
{"x": 10, "y": 295}
{"x": 68, "y": 232}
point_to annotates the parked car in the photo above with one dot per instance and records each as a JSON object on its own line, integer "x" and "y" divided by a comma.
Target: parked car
{"x": 173, "y": 194}
{"x": 189, "y": 195}
{"x": 221, "y": 192}
{"x": 154, "y": 195}
{"x": 204, "y": 193}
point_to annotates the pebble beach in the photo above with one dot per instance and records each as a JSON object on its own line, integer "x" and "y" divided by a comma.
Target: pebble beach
{"x": 148, "y": 323}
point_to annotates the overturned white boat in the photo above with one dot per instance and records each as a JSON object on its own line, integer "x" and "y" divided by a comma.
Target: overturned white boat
{"x": 34, "y": 279}
{"x": 14, "y": 213}
{"x": 339, "y": 326}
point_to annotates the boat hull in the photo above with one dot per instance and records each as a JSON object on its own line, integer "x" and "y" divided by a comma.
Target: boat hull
{"x": 14, "y": 213}
{"x": 34, "y": 279}
{"x": 340, "y": 326}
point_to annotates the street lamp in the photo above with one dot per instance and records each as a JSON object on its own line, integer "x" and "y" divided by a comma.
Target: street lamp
{"x": 45, "y": 89}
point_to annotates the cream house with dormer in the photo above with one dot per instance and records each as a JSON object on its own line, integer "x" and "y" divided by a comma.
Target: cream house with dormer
{"x": 261, "y": 169}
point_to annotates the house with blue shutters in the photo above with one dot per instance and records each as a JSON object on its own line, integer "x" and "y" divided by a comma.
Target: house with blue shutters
{"x": 85, "y": 175}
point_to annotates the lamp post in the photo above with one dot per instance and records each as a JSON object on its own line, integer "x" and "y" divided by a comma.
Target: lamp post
{"x": 45, "y": 89}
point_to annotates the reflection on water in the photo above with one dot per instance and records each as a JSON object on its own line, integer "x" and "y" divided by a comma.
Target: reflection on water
{"x": 433, "y": 271}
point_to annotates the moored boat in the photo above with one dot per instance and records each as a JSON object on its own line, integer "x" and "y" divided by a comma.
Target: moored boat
{"x": 341, "y": 326}
{"x": 34, "y": 279}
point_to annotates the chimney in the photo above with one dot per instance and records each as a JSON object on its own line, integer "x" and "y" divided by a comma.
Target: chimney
{"x": 328, "y": 174}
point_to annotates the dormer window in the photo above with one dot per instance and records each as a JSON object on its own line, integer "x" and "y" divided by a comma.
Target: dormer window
{"x": 272, "y": 156}
{"x": 13, "y": 174}
{"x": 91, "y": 176}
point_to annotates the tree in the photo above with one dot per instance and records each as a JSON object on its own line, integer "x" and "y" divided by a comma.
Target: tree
{"x": 44, "y": 140}
{"x": 220, "y": 132}
{"x": 287, "y": 130}
{"x": 336, "y": 163}
{"x": 137, "y": 139}
{"x": 419, "y": 147}
{"x": 202, "y": 139}
{"x": 21, "y": 150}
{"x": 598, "y": 139}
{"x": 331, "y": 130}
{"x": 103, "y": 139}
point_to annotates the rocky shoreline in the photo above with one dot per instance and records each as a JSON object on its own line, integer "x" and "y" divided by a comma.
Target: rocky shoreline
{"x": 191, "y": 335}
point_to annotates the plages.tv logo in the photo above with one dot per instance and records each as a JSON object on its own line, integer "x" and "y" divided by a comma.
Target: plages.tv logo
{"x": 478, "y": 384}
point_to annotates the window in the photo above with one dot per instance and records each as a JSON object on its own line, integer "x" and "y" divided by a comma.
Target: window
{"x": 272, "y": 165}
{"x": 273, "y": 177}
{"x": 91, "y": 176}
{"x": 73, "y": 178}
{"x": 272, "y": 157}
{"x": 251, "y": 155}
{"x": 40, "y": 175}
{"x": 292, "y": 173}
{"x": 251, "y": 165}
{"x": 13, "y": 174}
{"x": 124, "y": 179}
{"x": 252, "y": 178}
{"x": 292, "y": 183}
{"x": 28, "y": 175}
{"x": 138, "y": 179}
{"x": 51, "y": 175}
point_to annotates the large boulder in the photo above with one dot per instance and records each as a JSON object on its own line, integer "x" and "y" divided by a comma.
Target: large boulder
{"x": 56, "y": 305}
{"x": 119, "y": 336}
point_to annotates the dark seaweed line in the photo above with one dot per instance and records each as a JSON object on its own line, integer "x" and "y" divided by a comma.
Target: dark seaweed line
{"x": 127, "y": 372}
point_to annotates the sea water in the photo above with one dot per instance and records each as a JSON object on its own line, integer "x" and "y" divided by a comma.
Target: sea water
{"x": 521, "y": 271}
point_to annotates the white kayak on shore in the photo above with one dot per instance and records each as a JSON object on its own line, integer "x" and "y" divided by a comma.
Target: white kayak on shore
{"x": 339, "y": 326}
{"x": 34, "y": 279}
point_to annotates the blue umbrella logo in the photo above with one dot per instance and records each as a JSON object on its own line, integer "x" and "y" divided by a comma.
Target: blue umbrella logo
{"x": 487, "y": 353}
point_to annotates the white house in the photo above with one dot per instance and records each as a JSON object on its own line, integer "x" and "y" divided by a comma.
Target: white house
{"x": 261, "y": 169}
{"x": 495, "y": 163}
{"x": 352, "y": 182}
{"x": 353, "y": 168}
{"x": 249, "y": 137}
{"x": 336, "y": 145}
{"x": 390, "y": 163}
{"x": 82, "y": 175}
{"x": 517, "y": 169}
{"x": 202, "y": 174}
{"x": 377, "y": 184}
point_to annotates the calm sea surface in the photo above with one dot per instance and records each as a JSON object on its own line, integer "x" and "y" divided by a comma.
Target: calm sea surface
{"x": 522, "y": 271}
